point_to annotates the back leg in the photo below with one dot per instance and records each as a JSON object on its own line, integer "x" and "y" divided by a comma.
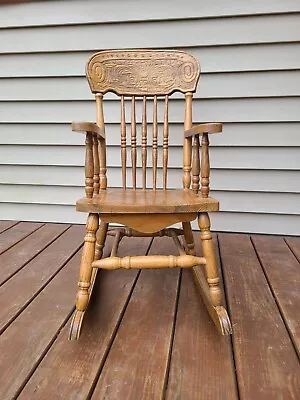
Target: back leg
{"x": 101, "y": 236}
{"x": 189, "y": 238}
{"x": 100, "y": 242}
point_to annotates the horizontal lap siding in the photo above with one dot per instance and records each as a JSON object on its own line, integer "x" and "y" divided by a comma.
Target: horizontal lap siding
{"x": 250, "y": 61}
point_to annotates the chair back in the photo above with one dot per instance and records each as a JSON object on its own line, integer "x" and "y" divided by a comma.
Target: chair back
{"x": 144, "y": 80}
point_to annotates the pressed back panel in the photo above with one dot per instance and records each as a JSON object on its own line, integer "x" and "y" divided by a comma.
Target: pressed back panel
{"x": 142, "y": 77}
{"x": 142, "y": 72}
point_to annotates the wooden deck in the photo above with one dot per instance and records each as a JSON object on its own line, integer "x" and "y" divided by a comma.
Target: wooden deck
{"x": 146, "y": 334}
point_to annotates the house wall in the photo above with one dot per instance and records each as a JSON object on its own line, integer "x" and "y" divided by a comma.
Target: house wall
{"x": 250, "y": 60}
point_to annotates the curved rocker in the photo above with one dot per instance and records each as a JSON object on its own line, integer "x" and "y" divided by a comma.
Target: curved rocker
{"x": 77, "y": 319}
{"x": 209, "y": 288}
{"x": 218, "y": 313}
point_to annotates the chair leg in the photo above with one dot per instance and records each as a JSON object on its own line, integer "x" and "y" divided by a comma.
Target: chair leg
{"x": 209, "y": 286}
{"x": 189, "y": 238}
{"x": 85, "y": 276}
{"x": 101, "y": 236}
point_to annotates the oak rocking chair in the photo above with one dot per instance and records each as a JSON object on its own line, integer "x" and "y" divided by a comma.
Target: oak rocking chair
{"x": 147, "y": 209}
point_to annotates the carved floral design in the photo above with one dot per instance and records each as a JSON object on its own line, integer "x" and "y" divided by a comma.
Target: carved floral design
{"x": 142, "y": 72}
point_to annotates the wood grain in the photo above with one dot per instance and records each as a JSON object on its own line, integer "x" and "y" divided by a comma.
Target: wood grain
{"x": 4, "y": 225}
{"x": 142, "y": 72}
{"x": 35, "y": 352}
{"x": 17, "y": 293}
{"x": 147, "y": 202}
{"x": 215, "y": 127}
{"x": 19, "y": 255}
{"x": 102, "y": 143}
{"x": 89, "y": 166}
{"x": 266, "y": 362}
{"x": 148, "y": 223}
{"x": 283, "y": 273}
{"x": 123, "y": 142}
{"x": 82, "y": 360}
{"x": 196, "y": 165}
{"x": 196, "y": 339}
{"x": 16, "y": 233}
{"x": 166, "y": 143}
{"x": 205, "y": 166}
{"x": 26, "y": 341}
{"x": 133, "y": 142}
{"x": 294, "y": 245}
{"x": 144, "y": 338}
{"x": 154, "y": 142}
{"x": 144, "y": 142}
{"x": 187, "y": 143}
{"x": 90, "y": 127}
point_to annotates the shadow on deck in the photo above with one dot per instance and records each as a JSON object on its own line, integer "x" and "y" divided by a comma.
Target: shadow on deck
{"x": 146, "y": 334}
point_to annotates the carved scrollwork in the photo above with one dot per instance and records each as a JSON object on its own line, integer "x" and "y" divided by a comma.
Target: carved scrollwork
{"x": 142, "y": 72}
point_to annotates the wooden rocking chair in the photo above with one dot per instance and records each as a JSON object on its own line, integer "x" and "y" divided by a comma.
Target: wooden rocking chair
{"x": 146, "y": 76}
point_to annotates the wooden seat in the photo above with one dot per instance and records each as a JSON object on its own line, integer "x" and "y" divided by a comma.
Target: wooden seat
{"x": 147, "y": 201}
{"x": 144, "y": 80}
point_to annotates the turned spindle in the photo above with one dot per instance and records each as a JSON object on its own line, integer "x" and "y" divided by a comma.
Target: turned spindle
{"x": 165, "y": 143}
{"x": 89, "y": 166}
{"x": 123, "y": 142}
{"x": 144, "y": 142}
{"x": 102, "y": 145}
{"x": 96, "y": 164}
{"x": 205, "y": 166}
{"x": 133, "y": 142}
{"x": 154, "y": 143}
{"x": 196, "y": 165}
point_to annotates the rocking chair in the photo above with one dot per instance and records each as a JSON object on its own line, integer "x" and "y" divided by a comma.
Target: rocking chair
{"x": 147, "y": 209}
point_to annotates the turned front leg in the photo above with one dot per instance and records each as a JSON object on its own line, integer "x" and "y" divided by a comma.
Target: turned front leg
{"x": 211, "y": 264}
{"x": 88, "y": 254}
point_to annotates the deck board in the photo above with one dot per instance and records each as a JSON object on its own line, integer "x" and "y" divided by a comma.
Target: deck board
{"x": 26, "y": 340}
{"x": 146, "y": 335}
{"x": 21, "y": 253}
{"x": 283, "y": 274}
{"x": 4, "y": 225}
{"x": 84, "y": 362}
{"x": 196, "y": 340}
{"x": 16, "y": 293}
{"x": 16, "y": 233}
{"x": 294, "y": 245}
{"x": 144, "y": 338}
{"x": 265, "y": 357}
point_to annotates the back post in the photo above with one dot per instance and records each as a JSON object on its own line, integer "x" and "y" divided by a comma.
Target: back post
{"x": 187, "y": 145}
{"x": 102, "y": 143}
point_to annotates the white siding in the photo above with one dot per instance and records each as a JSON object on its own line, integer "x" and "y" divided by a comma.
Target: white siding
{"x": 250, "y": 61}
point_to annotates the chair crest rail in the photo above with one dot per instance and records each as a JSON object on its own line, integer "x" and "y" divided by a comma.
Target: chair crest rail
{"x": 142, "y": 72}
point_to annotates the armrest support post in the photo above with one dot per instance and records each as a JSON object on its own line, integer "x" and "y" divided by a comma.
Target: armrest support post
{"x": 96, "y": 163}
{"x": 89, "y": 166}
{"x": 196, "y": 165}
{"x": 205, "y": 166}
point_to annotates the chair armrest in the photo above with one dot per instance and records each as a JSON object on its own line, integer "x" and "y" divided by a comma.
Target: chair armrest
{"x": 88, "y": 127}
{"x": 213, "y": 127}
